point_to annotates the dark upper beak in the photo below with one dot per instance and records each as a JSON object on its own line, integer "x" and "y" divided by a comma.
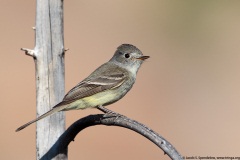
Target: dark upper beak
{"x": 143, "y": 57}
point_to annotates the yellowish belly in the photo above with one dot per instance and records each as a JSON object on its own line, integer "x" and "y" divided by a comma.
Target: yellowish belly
{"x": 102, "y": 98}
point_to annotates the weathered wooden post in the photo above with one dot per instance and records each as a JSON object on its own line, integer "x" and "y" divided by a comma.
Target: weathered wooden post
{"x": 48, "y": 56}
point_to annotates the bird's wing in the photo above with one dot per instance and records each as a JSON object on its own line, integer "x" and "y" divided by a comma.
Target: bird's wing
{"x": 92, "y": 86}
{"x": 84, "y": 89}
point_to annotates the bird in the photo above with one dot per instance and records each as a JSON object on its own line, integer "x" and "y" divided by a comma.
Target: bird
{"x": 107, "y": 84}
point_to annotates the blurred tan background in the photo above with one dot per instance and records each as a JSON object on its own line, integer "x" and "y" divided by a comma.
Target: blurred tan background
{"x": 188, "y": 91}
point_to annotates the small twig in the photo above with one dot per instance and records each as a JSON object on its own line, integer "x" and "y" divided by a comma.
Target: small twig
{"x": 64, "y": 50}
{"x": 29, "y": 52}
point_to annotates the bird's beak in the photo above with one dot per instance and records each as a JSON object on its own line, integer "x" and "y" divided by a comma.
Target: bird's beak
{"x": 143, "y": 57}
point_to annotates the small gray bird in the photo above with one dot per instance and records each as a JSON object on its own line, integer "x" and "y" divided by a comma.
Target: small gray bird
{"x": 106, "y": 85}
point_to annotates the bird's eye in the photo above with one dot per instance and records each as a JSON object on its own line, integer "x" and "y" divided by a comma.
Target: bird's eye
{"x": 127, "y": 55}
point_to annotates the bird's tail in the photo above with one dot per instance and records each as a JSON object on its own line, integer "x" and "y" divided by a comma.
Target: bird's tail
{"x": 52, "y": 111}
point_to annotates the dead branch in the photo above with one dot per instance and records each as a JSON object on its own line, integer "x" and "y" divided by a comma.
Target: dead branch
{"x": 118, "y": 120}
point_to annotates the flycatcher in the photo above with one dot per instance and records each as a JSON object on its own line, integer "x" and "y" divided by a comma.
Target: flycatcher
{"x": 106, "y": 85}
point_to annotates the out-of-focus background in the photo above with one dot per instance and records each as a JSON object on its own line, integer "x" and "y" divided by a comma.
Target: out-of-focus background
{"x": 188, "y": 91}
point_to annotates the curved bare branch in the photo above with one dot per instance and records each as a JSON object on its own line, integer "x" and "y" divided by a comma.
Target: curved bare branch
{"x": 114, "y": 120}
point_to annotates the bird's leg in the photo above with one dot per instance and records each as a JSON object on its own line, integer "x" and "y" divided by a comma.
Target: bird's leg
{"x": 108, "y": 112}
{"x": 103, "y": 109}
